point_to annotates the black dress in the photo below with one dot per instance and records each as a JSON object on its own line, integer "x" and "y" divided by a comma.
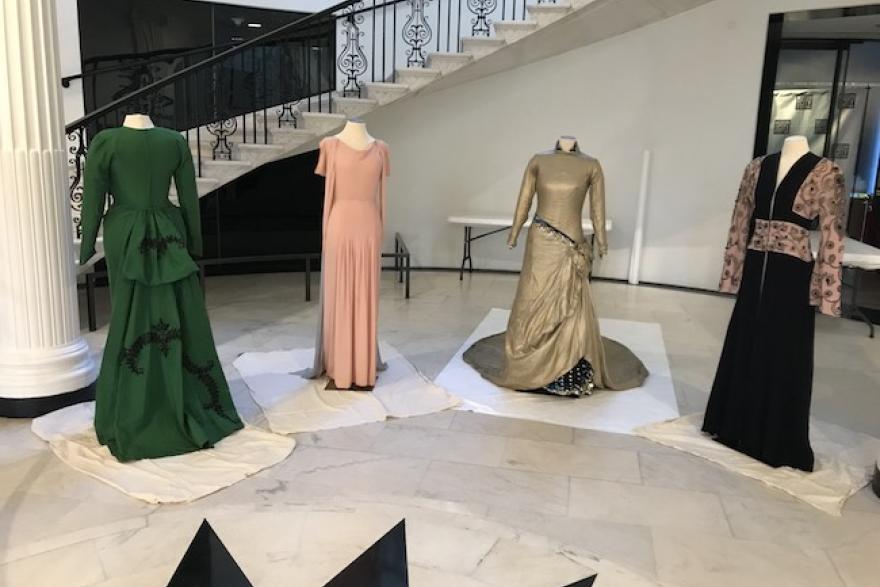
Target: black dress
{"x": 760, "y": 401}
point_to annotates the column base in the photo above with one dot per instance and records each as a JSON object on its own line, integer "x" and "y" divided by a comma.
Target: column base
{"x": 34, "y": 382}
{"x": 31, "y": 407}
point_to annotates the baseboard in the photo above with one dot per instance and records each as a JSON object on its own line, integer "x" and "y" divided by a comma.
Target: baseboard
{"x": 32, "y": 407}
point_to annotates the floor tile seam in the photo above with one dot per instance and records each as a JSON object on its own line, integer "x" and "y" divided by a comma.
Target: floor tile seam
{"x": 840, "y": 577}
{"x": 509, "y": 437}
{"x": 378, "y": 457}
{"x": 503, "y": 465}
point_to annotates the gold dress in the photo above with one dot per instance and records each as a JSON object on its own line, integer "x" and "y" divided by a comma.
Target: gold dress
{"x": 552, "y": 342}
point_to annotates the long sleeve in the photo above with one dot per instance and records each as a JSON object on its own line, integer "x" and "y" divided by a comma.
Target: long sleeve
{"x": 738, "y": 236}
{"x": 188, "y": 197}
{"x": 524, "y": 201}
{"x": 95, "y": 188}
{"x": 827, "y": 279}
{"x": 597, "y": 209}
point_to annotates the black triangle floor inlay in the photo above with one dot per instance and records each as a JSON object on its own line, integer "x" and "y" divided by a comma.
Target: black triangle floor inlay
{"x": 588, "y": 582}
{"x": 207, "y": 563}
{"x": 382, "y": 565}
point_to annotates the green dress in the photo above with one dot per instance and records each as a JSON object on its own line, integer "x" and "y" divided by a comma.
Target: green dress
{"x": 161, "y": 390}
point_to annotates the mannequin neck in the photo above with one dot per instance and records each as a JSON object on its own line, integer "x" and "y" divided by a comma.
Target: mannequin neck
{"x": 792, "y": 150}
{"x": 355, "y": 135}
{"x": 138, "y": 121}
{"x": 566, "y": 143}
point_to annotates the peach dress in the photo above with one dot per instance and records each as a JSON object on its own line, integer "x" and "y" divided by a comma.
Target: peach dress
{"x": 354, "y": 218}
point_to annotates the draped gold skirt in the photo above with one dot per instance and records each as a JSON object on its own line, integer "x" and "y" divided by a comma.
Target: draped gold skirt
{"x": 553, "y": 324}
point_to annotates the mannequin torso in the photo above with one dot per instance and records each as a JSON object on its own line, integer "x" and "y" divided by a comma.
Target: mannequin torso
{"x": 792, "y": 150}
{"x": 355, "y": 135}
{"x": 137, "y": 121}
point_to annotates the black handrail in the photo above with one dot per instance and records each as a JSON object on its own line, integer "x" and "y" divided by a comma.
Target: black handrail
{"x": 238, "y": 49}
{"x": 141, "y": 60}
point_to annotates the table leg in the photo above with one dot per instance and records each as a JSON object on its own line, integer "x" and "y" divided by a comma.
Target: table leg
{"x": 466, "y": 253}
{"x": 407, "y": 274}
{"x": 470, "y": 258}
{"x": 857, "y": 279}
{"x": 592, "y": 254}
{"x": 90, "y": 301}
{"x": 308, "y": 279}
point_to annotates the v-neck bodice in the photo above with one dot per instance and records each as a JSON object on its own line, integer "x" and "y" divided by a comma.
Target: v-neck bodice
{"x": 782, "y": 197}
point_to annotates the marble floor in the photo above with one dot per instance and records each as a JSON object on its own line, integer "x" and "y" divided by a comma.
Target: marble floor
{"x": 662, "y": 514}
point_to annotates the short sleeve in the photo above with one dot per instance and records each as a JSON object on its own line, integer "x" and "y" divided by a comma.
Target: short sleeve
{"x": 321, "y": 168}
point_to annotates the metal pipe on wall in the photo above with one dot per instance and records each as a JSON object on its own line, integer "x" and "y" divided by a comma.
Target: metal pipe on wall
{"x": 635, "y": 258}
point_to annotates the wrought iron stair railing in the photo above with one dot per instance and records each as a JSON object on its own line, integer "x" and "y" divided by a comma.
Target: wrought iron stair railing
{"x": 248, "y": 93}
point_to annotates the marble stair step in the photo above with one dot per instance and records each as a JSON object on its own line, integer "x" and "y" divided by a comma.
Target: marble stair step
{"x": 256, "y": 154}
{"x": 417, "y": 77}
{"x": 352, "y": 106}
{"x": 480, "y": 47}
{"x": 385, "y": 92}
{"x": 224, "y": 171}
{"x": 448, "y": 62}
{"x": 545, "y": 14}
{"x": 322, "y": 122}
{"x": 514, "y": 30}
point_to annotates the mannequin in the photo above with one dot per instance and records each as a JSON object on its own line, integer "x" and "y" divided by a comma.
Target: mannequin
{"x": 355, "y": 135}
{"x": 793, "y": 149}
{"x": 356, "y": 167}
{"x": 566, "y": 143}
{"x": 137, "y": 121}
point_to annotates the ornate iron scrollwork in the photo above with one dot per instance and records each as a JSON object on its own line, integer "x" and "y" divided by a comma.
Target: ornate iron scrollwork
{"x": 417, "y": 33}
{"x": 222, "y": 129}
{"x": 289, "y": 114}
{"x": 77, "y": 160}
{"x": 481, "y": 9}
{"x": 352, "y": 60}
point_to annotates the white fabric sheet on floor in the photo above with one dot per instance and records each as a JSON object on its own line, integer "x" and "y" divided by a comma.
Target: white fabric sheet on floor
{"x": 610, "y": 411}
{"x": 293, "y": 404}
{"x": 182, "y": 478}
{"x": 844, "y": 460}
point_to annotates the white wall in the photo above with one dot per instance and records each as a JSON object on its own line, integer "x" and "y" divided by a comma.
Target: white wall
{"x": 686, "y": 88}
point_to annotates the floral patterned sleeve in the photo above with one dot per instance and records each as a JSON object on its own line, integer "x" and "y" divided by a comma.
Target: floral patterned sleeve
{"x": 738, "y": 237}
{"x": 825, "y": 290}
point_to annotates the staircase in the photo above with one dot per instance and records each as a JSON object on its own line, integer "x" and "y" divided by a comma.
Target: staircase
{"x": 279, "y": 94}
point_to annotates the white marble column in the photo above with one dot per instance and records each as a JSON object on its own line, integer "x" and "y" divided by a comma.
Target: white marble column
{"x": 44, "y": 362}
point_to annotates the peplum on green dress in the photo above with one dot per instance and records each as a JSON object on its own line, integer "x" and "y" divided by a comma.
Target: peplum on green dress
{"x": 161, "y": 390}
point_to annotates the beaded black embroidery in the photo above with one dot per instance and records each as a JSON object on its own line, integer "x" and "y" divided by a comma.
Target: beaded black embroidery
{"x": 161, "y": 244}
{"x": 203, "y": 374}
{"x": 580, "y": 248}
{"x": 160, "y": 334}
{"x": 577, "y": 382}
